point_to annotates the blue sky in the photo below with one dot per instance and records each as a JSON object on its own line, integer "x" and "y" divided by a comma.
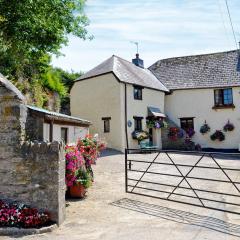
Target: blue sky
{"x": 163, "y": 28}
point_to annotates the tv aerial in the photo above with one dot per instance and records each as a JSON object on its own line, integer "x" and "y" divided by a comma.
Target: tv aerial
{"x": 135, "y": 43}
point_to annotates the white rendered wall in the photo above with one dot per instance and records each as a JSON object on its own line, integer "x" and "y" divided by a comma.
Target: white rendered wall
{"x": 198, "y": 103}
{"x": 100, "y": 97}
{"x": 74, "y": 132}
{"x": 139, "y": 108}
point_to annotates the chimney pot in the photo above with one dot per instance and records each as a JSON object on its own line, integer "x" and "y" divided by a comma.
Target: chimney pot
{"x": 138, "y": 61}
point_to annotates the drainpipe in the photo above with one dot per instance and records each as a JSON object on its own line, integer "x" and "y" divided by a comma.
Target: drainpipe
{"x": 125, "y": 103}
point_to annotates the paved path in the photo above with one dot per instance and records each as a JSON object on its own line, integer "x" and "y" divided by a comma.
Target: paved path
{"x": 108, "y": 213}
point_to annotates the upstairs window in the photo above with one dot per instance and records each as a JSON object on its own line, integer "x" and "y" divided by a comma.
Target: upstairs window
{"x": 106, "y": 124}
{"x": 137, "y": 92}
{"x": 138, "y": 123}
{"x": 223, "y": 97}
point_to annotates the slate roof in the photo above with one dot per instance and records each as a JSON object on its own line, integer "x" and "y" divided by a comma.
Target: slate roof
{"x": 59, "y": 116}
{"x": 200, "y": 71}
{"x": 126, "y": 72}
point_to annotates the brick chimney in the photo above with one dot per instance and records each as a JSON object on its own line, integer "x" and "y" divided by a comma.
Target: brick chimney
{"x": 138, "y": 61}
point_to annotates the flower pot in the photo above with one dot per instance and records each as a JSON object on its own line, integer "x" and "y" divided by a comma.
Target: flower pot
{"x": 78, "y": 191}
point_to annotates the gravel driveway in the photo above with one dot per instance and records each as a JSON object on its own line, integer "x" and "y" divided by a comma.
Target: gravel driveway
{"x": 109, "y": 213}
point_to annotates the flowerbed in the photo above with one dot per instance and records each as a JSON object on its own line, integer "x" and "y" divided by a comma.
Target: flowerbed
{"x": 22, "y": 216}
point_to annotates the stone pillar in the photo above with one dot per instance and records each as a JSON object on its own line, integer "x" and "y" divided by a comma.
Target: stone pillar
{"x": 12, "y": 132}
{"x": 44, "y": 165}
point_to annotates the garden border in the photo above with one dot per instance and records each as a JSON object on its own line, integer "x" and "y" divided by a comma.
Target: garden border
{"x": 14, "y": 231}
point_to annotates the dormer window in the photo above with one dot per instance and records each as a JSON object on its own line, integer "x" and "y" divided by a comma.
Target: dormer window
{"x": 223, "y": 97}
{"x": 137, "y": 92}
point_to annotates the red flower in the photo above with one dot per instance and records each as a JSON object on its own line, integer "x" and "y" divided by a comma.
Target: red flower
{"x": 19, "y": 215}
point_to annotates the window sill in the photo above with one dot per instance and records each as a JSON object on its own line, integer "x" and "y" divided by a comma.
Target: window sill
{"x": 224, "y": 107}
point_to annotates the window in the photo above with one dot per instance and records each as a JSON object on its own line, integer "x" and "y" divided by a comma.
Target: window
{"x": 106, "y": 124}
{"x": 138, "y": 123}
{"x": 137, "y": 92}
{"x": 186, "y": 123}
{"x": 64, "y": 135}
{"x": 223, "y": 97}
{"x": 46, "y": 132}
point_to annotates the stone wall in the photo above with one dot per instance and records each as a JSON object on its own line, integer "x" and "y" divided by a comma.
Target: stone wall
{"x": 31, "y": 173}
{"x": 34, "y": 126}
{"x": 41, "y": 177}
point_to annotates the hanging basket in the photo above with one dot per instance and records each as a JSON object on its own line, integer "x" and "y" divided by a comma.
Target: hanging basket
{"x": 204, "y": 128}
{"x": 218, "y": 135}
{"x": 228, "y": 127}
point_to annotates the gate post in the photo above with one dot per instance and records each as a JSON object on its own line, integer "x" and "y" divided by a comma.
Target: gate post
{"x": 126, "y": 173}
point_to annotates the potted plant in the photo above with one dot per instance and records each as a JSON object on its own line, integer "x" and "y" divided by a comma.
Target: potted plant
{"x": 90, "y": 148}
{"x": 228, "y": 127}
{"x": 204, "y": 128}
{"x": 190, "y": 132}
{"x": 140, "y": 135}
{"x": 218, "y": 135}
{"x": 173, "y": 133}
{"x": 156, "y": 123}
{"x": 150, "y": 123}
{"x": 74, "y": 160}
{"x": 198, "y": 147}
{"x": 180, "y": 133}
{"x": 82, "y": 182}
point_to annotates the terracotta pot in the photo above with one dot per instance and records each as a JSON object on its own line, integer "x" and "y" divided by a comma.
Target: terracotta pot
{"x": 78, "y": 191}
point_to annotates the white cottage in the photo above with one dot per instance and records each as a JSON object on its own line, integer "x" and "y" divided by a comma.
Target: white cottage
{"x": 119, "y": 96}
{"x": 116, "y": 97}
{"x": 203, "y": 88}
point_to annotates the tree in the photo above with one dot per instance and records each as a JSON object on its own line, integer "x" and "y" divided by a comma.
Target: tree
{"x": 30, "y": 32}
{"x": 63, "y": 80}
{"x": 32, "y": 29}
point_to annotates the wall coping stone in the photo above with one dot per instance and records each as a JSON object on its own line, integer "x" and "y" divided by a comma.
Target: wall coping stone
{"x": 41, "y": 147}
{"x": 7, "y": 84}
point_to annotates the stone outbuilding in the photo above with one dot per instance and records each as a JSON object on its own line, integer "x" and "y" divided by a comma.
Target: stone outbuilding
{"x": 44, "y": 125}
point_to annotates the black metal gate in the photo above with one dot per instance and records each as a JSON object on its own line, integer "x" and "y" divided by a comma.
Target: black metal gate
{"x": 203, "y": 179}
